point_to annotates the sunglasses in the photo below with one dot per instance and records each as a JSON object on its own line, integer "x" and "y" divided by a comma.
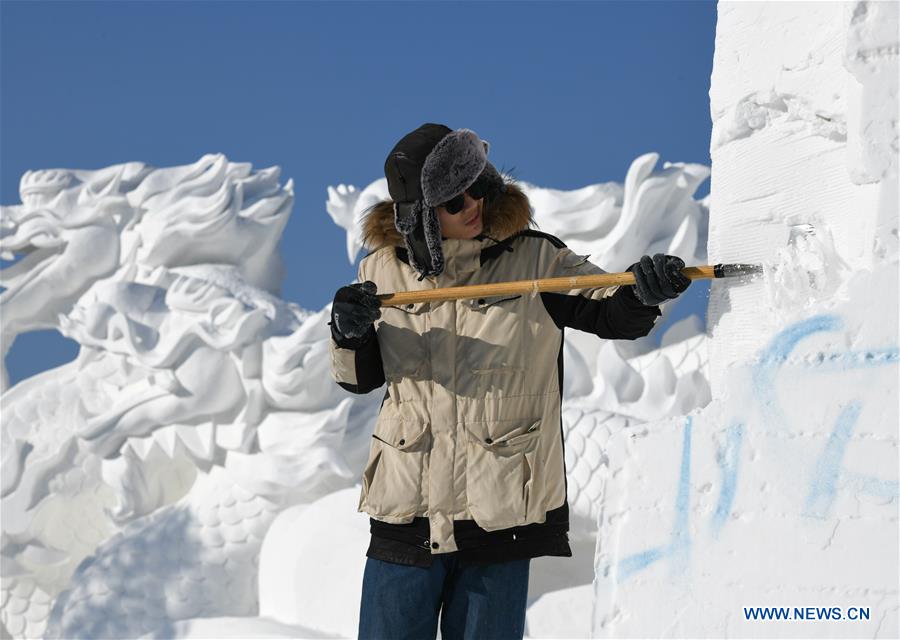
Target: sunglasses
{"x": 478, "y": 190}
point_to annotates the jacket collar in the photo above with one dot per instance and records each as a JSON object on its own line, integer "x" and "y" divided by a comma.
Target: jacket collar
{"x": 508, "y": 216}
{"x": 461, "y": 256}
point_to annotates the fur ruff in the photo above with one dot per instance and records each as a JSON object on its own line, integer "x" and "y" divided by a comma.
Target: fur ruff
{"x": 509, "y": 213}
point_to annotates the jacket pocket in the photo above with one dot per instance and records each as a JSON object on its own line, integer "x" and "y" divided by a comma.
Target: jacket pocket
{"x": 402, "y": 340}
{"x": 480, "y": 304}
{"x": 368, "y": 475}
{"x": 499, "y": 471}
{"x": 496, "y": 326}
{"x": 392, "y": 481}
{"x": 413, "y": 308}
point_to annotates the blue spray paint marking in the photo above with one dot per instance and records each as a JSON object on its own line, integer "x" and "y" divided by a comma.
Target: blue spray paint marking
{"x": 867, "y": 485}
{"x": 681, "y": 535}
{"x": 638, "y": 561}
{"x": 777, "y": 352}
{"x": 827, "y": 476}
{"x": 728, "y": 461}
{"x": 679, "y": 544}
{"x": 828, "y": 466}
{"x": 839, "y": 362}
{"x": 784, "y": 342}
{"x": 775, "y": 355}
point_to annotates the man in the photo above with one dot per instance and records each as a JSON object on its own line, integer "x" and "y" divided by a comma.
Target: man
{"x": 465, "y": 480}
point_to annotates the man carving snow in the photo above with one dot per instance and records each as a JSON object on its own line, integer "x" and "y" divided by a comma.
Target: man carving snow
{"x": 465, "y": 480}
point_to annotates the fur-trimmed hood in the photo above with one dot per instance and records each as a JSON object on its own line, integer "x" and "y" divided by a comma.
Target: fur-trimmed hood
{"x": 509, "y": 213}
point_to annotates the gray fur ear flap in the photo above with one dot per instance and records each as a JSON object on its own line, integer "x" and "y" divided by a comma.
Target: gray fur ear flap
{"x": 406, "y": 214}
{"x": 411, "y": 255}
{"x": 420, "y": 228}
{"x": 432, "y": 226}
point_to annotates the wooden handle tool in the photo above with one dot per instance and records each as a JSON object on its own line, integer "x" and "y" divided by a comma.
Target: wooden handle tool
{"x": 564, "y": 283}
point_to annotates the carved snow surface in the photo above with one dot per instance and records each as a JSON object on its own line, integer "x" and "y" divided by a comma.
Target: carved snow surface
{"x": 139, "y": 481}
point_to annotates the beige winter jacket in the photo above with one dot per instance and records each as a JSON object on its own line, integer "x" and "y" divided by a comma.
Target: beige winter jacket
{"x": 470, "y": 427}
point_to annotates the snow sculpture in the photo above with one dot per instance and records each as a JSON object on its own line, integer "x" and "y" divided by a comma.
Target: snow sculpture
{"x": 140, "y": 480}
{"x": 198, "y": 407}
{"x": 782, "y": 493}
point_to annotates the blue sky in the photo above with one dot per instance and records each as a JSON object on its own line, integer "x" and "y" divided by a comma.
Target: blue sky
{"x": 568, "y": 93}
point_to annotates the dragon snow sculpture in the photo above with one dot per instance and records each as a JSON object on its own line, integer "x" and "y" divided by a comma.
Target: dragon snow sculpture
{"x": 139, "y": 480}
{"x": 198, "y": 396}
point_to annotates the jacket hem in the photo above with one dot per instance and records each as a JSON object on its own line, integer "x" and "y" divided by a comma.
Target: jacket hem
{"x": 398, "y": 552}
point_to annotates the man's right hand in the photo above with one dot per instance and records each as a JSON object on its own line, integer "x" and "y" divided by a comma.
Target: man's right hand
{"x": 354, "y": 309}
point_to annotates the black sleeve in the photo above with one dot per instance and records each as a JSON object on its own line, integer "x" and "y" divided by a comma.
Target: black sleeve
{"x": 369, "y": 369}
{"x": 620, "y": 316}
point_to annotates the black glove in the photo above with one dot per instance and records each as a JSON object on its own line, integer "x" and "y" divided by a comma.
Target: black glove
{"x": 659, "y": 278}
{"x": 353, "y": 311}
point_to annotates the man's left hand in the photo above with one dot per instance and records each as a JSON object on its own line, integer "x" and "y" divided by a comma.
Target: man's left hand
{"x": 659, "y": 278}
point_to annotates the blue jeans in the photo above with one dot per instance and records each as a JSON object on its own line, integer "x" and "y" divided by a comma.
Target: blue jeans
{"x": 476, "y": 601}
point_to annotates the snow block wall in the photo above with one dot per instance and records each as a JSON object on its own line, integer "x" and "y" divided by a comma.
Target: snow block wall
{"x": 783, "y": 492}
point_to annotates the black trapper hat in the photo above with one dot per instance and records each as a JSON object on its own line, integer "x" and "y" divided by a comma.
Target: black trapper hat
{"x": 425, "y": 169}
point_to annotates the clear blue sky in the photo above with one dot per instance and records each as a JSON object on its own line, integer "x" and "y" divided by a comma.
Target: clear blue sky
{"x": 568, "y": 93}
